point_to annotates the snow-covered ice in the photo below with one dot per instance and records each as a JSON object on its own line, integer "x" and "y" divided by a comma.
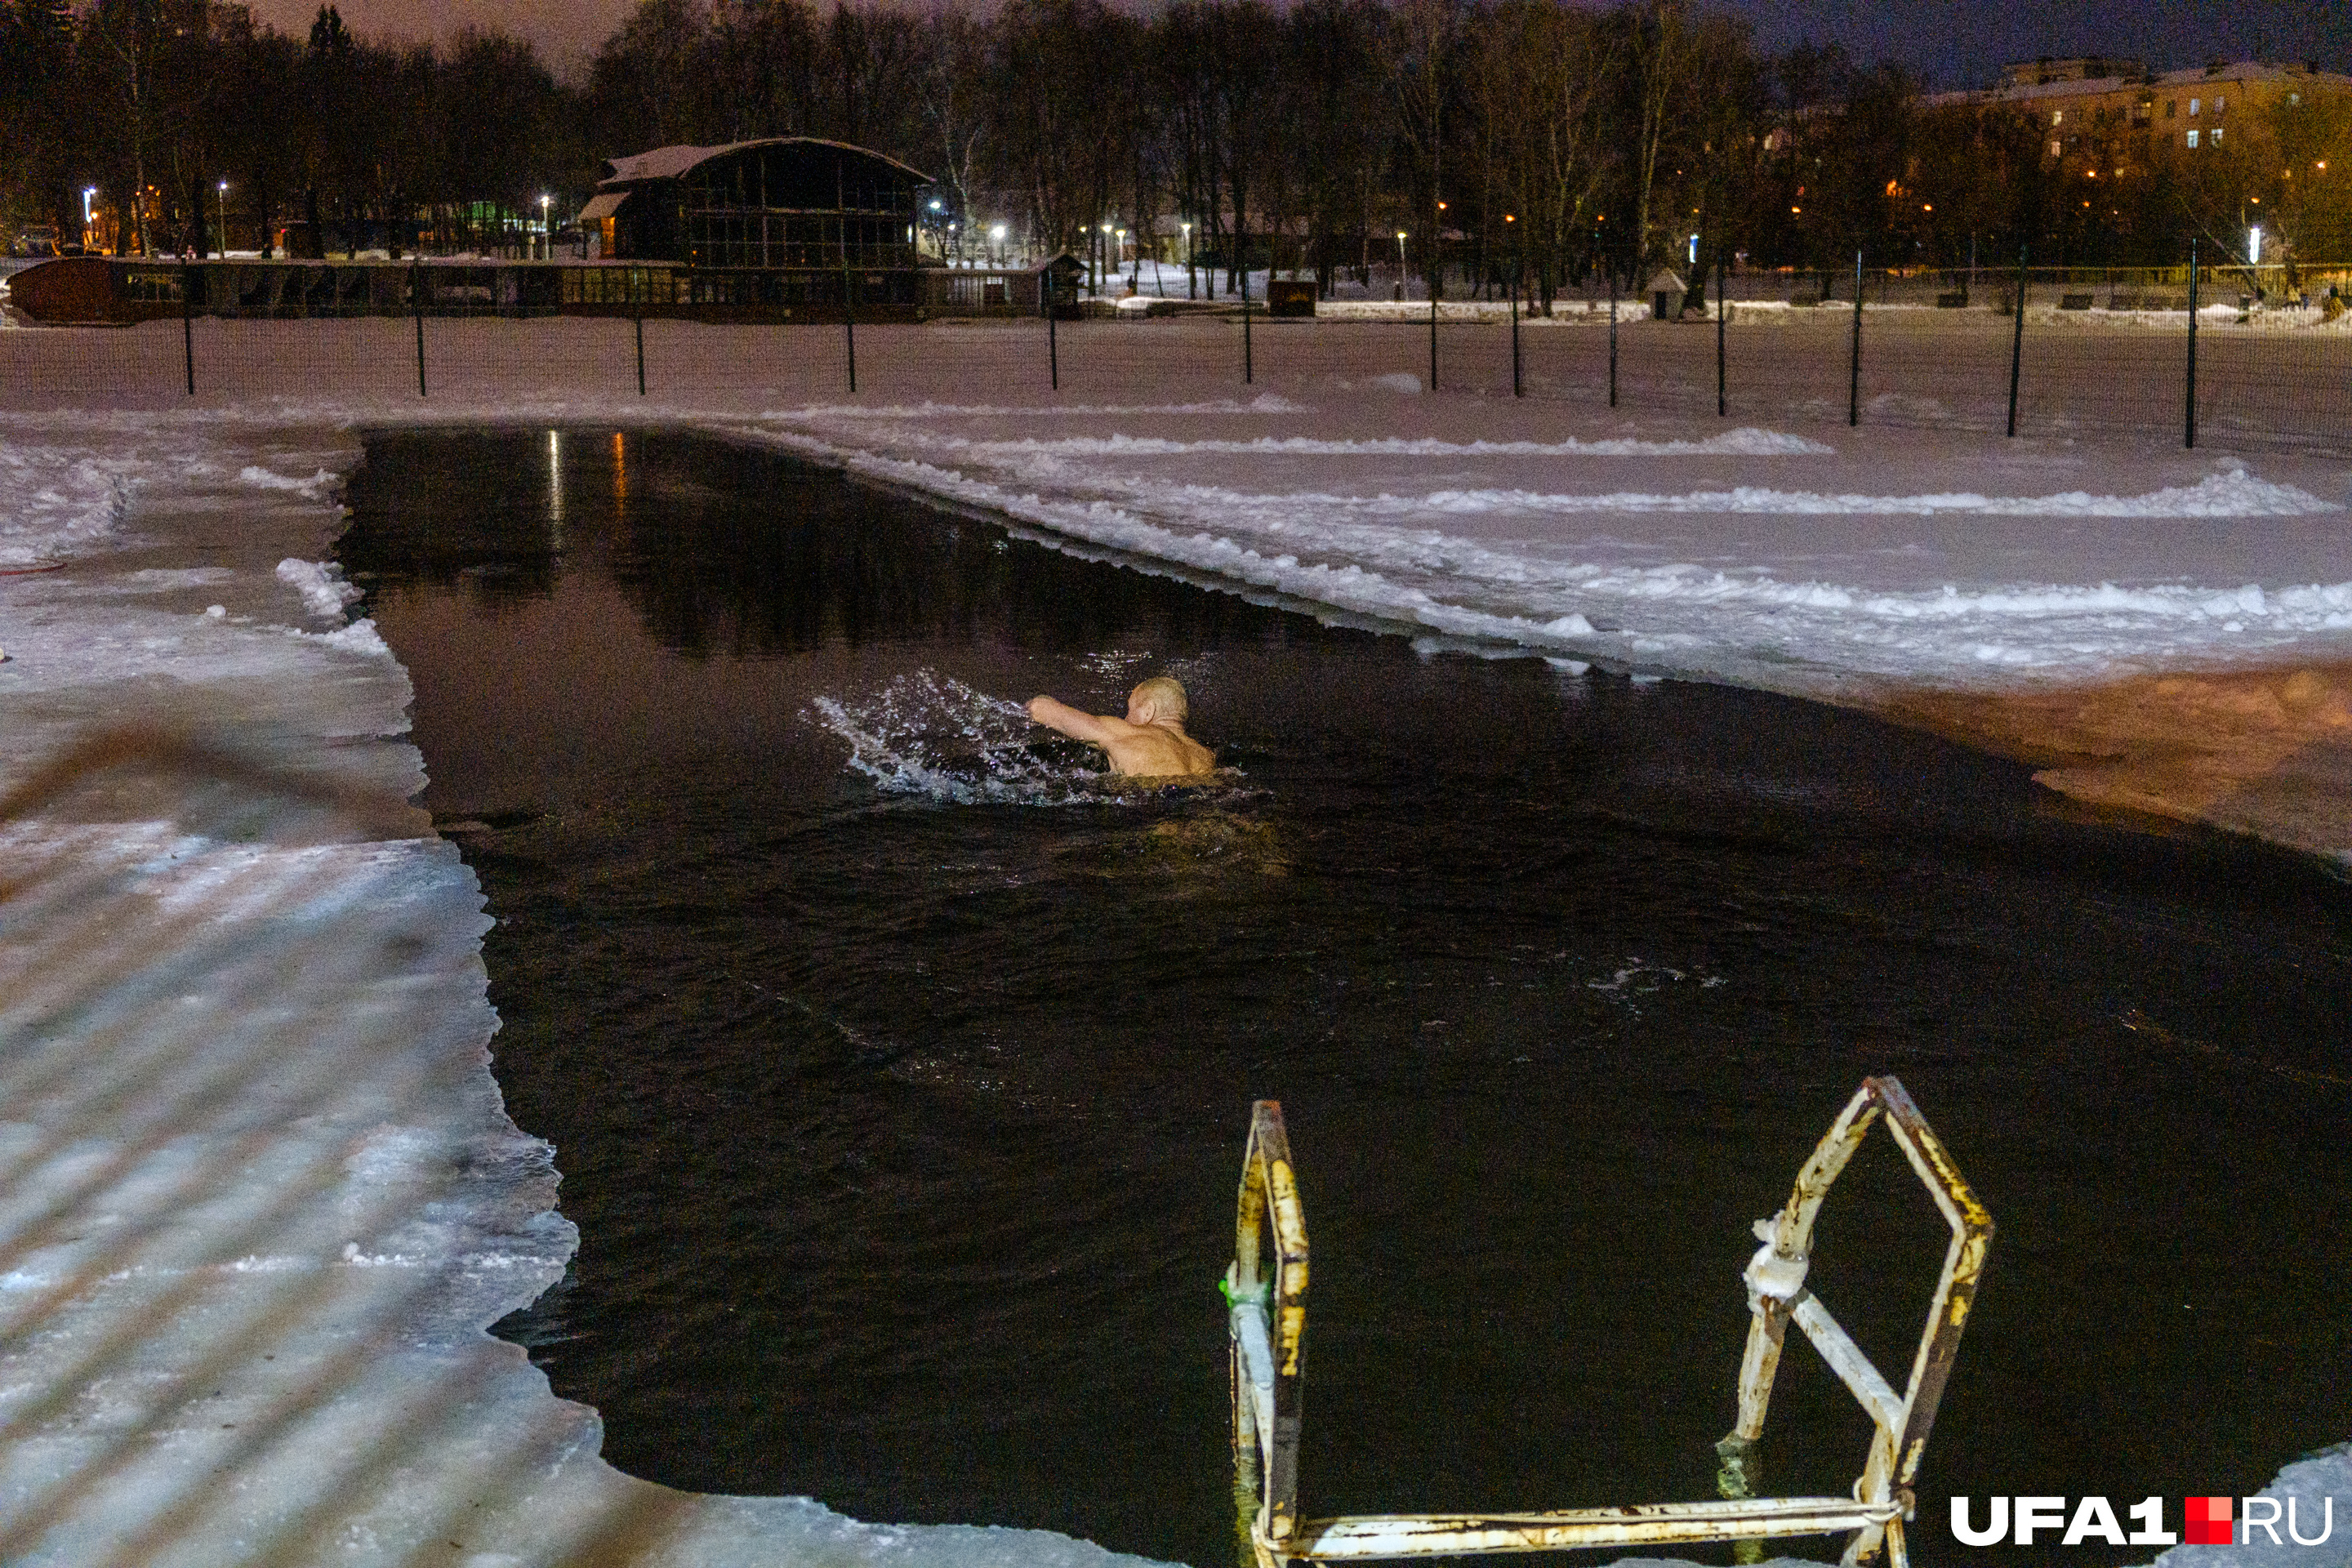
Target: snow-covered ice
{"x": 260, "y": 1198}
{"x": 273, "y": 1123}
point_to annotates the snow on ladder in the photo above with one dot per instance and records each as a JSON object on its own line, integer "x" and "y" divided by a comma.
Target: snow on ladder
{"x": 1266, "y": 1287}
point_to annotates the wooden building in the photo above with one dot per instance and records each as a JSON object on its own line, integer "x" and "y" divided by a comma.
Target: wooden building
{"x": 775, "y": 224}
{"x": 1003, "y": 291}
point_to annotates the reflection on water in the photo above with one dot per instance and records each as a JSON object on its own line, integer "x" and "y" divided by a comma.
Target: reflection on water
{"x": 899, "y": 1078}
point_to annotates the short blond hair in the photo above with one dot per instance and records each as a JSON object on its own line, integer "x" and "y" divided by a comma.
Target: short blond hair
{"x": 1164, "y": 694}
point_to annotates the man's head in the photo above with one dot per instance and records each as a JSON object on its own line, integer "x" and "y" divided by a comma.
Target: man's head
{"x": 1158, "y": 698}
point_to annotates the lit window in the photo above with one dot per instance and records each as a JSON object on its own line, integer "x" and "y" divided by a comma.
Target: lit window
{"x": 2053, "y": 149}
{"x": 2057, "y": 117}
{"x": 2293, "y": 99}
{"x": 2220, "y": 105}
{"x": 2217, "y": 135}
{"x": 2193, "y": 107}
{"x": 2193, "y": 138}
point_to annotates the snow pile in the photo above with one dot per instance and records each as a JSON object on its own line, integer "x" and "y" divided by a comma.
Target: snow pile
{"x": 317, "y": 485}
{"x": 2318, "y": 1487}
{"x": 324, "y": 592}
{"x": 1264, "y": 403}
{"x": 1746, "y": 442}
{"x": 56, "y": 499}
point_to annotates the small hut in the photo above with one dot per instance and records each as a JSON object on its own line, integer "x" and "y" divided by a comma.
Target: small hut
{"x": 1666, "y": 292}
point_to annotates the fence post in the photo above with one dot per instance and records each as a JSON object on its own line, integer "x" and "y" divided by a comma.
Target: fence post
{"x": 416, "y": 309}
{"x": 2016, "y": 341}
{"x": 1516, "y": 389}
{"x": 1432, "y": 325}
{"x": 2192, "y": 343}
{"x": 1853, "y": 371}
{"x": 1612, "y": 337}
{"x": 1722, "y": 315}
{"x": 849, "y": 316}
{"x": 188, "y": 322}
{"x": 641, "y": 281}
{"x": 1249, "y": 366}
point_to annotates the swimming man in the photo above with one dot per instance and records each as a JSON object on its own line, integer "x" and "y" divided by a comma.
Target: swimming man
{"x": 1150, "y": 742}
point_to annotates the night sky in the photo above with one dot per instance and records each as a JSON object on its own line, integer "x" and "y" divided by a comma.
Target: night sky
{"x": 1955, "y": 43}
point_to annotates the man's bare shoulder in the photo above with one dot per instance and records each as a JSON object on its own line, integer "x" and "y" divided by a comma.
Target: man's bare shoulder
{"x": 1153, "y": 751}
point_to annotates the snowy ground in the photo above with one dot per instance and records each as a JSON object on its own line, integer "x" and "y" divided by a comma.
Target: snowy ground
{"x": 261, "y": 1197}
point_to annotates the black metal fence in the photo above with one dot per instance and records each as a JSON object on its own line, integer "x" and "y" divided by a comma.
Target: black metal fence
{"x": 2253, "y": 366}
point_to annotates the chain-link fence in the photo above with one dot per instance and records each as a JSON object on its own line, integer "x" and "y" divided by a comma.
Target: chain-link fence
{"x": 2263, "y": 362}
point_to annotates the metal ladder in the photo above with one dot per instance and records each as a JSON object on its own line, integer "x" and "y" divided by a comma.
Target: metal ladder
{"x": 1266, "y": 1289}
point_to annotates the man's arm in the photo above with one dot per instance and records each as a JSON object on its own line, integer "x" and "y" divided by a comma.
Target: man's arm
{"x": 1078, "y": 726}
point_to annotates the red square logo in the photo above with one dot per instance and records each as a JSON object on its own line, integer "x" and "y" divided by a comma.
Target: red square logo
{"x": 2209, "y": 1522}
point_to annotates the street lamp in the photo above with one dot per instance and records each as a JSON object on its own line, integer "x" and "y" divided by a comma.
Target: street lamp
{"x": 546, "y": 234}
{"x": 86, "y": 219}
{"x": 1192, "y": 283}
{"x": 2254, "y": 246}
{"x": 220, "y": 205}
{"x": 996, "y": 239}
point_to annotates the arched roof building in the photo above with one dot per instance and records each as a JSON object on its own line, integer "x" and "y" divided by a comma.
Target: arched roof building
{"x": 807, "y": 212}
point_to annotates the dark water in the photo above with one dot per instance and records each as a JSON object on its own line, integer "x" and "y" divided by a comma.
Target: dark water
{"x": 903, "y": 1134}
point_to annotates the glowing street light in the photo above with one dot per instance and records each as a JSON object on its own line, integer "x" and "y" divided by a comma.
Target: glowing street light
{"x": 2254, "y": 245}
{"x": 1400, "y": 251}
{"x": 220, "y": 205}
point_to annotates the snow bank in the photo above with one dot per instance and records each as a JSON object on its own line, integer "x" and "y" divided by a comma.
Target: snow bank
{"x": 1745, "y": 443}
{"x": 1734, "y": 609}
{"x": 2319, "y": 1489}
{"x": 324, "y": 592}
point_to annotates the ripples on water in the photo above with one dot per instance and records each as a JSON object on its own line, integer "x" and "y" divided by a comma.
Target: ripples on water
{"x": 901, "y": 1119}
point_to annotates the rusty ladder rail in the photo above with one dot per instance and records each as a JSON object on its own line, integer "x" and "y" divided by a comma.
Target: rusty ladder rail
{"x": 1265, "y": 1289}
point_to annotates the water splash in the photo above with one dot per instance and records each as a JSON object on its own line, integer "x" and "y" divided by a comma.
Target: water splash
{"x": 930, "y": 734}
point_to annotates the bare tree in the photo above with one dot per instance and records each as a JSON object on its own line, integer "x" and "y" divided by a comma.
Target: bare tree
{"x": 1664, "y": 58}
{"x": 1538, "y": 70}
{"x": 1419, "y": 43}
